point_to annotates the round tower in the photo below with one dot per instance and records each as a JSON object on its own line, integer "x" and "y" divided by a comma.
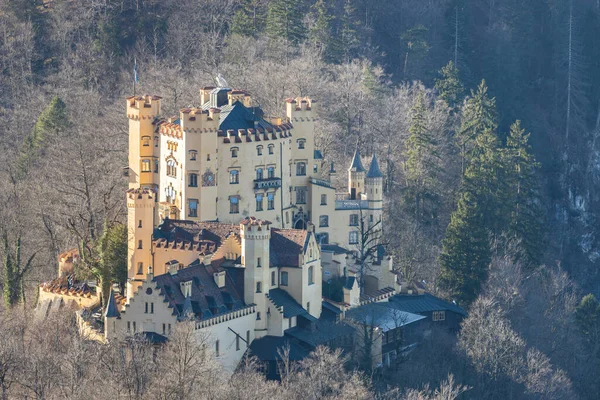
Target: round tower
{"x": 256, "y": 236}
{"x": 140, "y": 225}
{"x": 356, "y": 177}
{"x": 374, "y": 190}
{"x": 144, "y": 146}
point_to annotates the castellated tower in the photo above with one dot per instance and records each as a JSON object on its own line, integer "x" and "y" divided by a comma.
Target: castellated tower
{"x": 356, "y": 177}
{"x": 140, "y": 225}
{"x": 200, "y": 162}
{"x": 144, "y": 145}
{"x": 301, "y": 113}
{"x": 374, "y": 189}
{"x": 256, "y": 236}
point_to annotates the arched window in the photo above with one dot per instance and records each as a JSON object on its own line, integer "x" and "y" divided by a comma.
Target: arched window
{"x": 271, "y": 172}
{"x": 301, "y": 143}
{"x": 311, "y": 275}
{"x": 259, "y": 150}
{"x": 234, "y": 152}
{"x": 145, "y": 141}
{"x": 193, "y": 180}
{"x": 271, "y": 148}
{"x": 193, "y": 155}
{"x": 146, "y": 166}
{"x": 300, "y": 169}
{"x": 171, "y": 169}
{"x": 234, "y": 176}
{"x": 259, "y": 174}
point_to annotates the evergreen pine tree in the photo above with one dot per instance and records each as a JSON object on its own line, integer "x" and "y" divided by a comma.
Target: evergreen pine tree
{"x": 348, "y": 34}
{"x": 479, "y": 115}
{"x": 284, "y": 21}
{"x": 114, "y": 254}
{"x": 320, "y": 35}
{"x": 10, "y": 290}
{"x": 449, "y": 87}
{"x": 466, "y": 255}
{"x": 527, "y": 216}
{"x": 249, "y": 19}
{"x": 420, "y": 167}
{"x": 587, "y": 318}
{"x": 51, "y": 122}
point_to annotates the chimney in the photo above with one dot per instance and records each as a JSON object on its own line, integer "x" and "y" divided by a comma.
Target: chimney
{"x": 219, "y": 278}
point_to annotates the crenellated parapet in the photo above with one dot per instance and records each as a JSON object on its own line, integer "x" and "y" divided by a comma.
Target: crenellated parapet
{"x": 143, "y": 107}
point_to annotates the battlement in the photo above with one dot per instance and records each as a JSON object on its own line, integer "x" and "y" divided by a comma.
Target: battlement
{"x": 136, "y": 197}
{"x": 143, "y": 107}
{"x": 241, "y": 96}
{"x": 300, "y": 107}
{"x": 197, "y": 118}
{"x": 169, "y": 128}
{"x": 256, "y": 135}
{"x": 254, "y": 228}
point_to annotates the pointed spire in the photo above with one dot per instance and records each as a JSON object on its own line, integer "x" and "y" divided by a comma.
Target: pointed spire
{"x": 356, "y": 165}
{"x": 187, "y": 312}
{"x": 374, "y": 171}
{"x": 111, "y": 308}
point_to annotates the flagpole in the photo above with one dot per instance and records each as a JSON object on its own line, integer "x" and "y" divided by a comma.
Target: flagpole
{"x": 134, "y": 73}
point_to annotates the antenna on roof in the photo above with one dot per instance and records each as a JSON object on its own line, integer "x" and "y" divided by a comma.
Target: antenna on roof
{"x": 221, "y": 82}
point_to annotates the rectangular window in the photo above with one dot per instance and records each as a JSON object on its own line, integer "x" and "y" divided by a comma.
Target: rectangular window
{"x": 146, "y": 141}
{"x": 258, "y": 316}
{"x": 234, "y": 205}
{"x": 151, "y": 308}
{"x": 284, "y": 279}
{"x": 139, "y": 244}
{"x": 323, "y": 221}
{"x": 155, "y": 141}
{"x": 353, "y": 220}
{"x": 273, "y": 278}
{"x": 146, "y": 309}
{"x": 259, "y": 150}
{"x": 353, "y": 239}
{"x": 315, "y": 168}
{"x": 237, "y": 343}
{"x": 234, "y": 152}
{"x": 192, "y": 208}
{"x": 259, "y": 202}
{"x": 128, "y": 326}
{"x": 300, "y": 195}
{"x": 134, "y": 327}
{"x": 193, "y": 180}
{"x": 156, "y": 166}
{"x": 146, "y": 166}
{"x": 258, "y": 287}
{"x": 193, "y": 154}
{"x": 140, "y": 223}
{"x": 140, "y": 270}
{"x": 300, "y": 169}
{"x": 164, "y": 329}
{"x": 234, "y": 177}
{"x": 271, "y": 147}
{"x": 258, "y": 264}
{"x": 271, "y": 201}
{"x": 308, "y": 307}
{"x": 169, "y": 329}
{"x": 301, "y": 144}
{"x": 217, "y": 348}
{"x": 247, "y": 338}
{"x": 323, "y": 199}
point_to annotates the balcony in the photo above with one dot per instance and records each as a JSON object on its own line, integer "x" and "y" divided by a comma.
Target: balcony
{"x": 267, "y": 183}
{"x": 320, "y": 182}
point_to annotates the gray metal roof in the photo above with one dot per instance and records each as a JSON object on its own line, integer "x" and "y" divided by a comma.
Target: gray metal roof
{"x": 323, "y": 332}
{"x": 382, "y": 315}
{"x": 291, "y": 308}
{"x": 424, "y": 303}
{"x": 269, "y": 348}
{"x": 351, "y": 204}
{"x": 334, "y": 248}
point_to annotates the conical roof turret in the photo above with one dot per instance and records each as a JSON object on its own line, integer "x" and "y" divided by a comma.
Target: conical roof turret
{"x": 111, "y": 308}
{"x": 374, "y": 171}
{"x": 356, "y": 165}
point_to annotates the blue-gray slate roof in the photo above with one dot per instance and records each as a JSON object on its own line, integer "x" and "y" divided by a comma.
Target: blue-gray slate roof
{"x": 356, "y": 165}
{"x": 323, "y": 332}
{"x": 111, "y": 308}
{"x": 374, "y": 171}
{"x": 269, "y": 348}
{"x": 291, "y": 308}
{"x": 424, "y": 303}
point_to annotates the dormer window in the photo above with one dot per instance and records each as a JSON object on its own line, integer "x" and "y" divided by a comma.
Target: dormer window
{"x": 271, "y": 148}
{"x": 193, "y": 155}
{"x": 234, "y": 152}
{"x": 301, "y": 143}
{"x": 259, "y": 150}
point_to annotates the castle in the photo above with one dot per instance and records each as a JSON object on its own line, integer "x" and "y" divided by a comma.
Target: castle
{"x": 234, "y": 225}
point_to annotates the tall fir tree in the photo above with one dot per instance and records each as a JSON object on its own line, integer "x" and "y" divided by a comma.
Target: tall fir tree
{"x": 449, "y": 87}
{"x": 249, "y": 19}
{"x": 478, "y": 115}
{"x": 466, "y": 255}
{"x": 527, "y": 215}
{"x": 320, "y": 35}
{"x": 421, "y": 166}
{"x": 284, "y": 21}
{"x": 348, "y": 39}
{"x": 51, "y": 122}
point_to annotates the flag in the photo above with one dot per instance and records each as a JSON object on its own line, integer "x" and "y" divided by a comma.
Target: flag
{"x": 136, "y": 78}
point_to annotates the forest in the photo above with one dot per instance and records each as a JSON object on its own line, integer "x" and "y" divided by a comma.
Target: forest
{"x": 484, "y": 116}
